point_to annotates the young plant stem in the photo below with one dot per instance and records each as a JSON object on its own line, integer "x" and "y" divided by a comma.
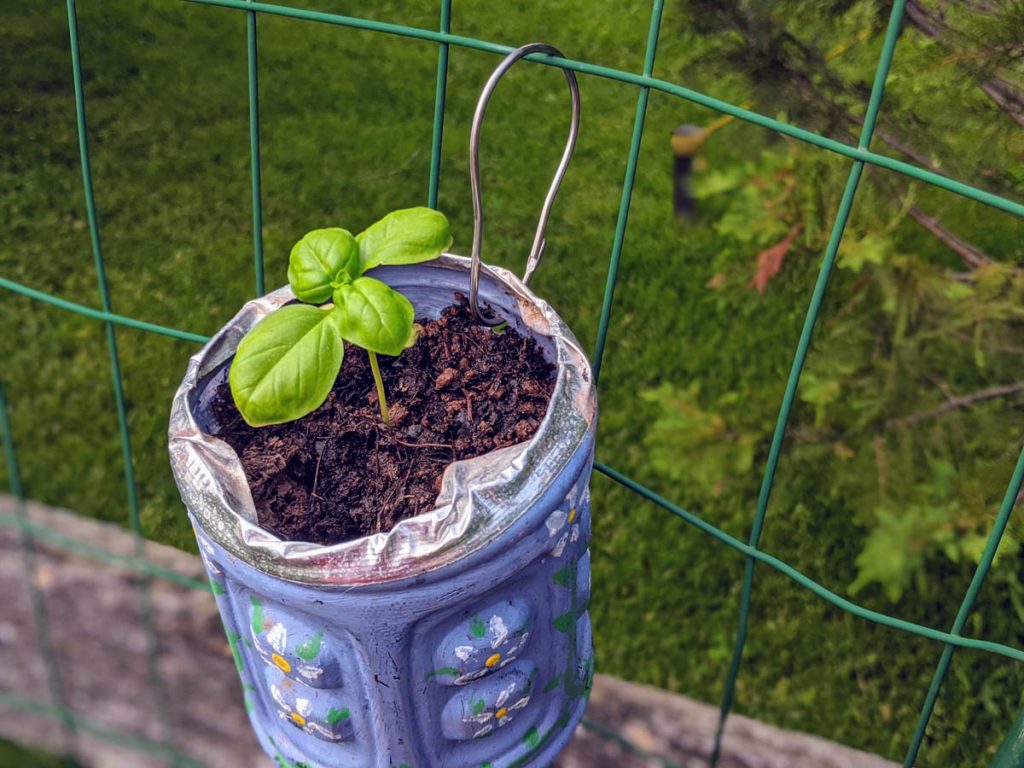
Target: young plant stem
{"x": 381, "y": 397}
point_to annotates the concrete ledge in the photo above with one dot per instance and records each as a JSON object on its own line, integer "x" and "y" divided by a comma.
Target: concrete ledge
{"x": 96, "y": 625}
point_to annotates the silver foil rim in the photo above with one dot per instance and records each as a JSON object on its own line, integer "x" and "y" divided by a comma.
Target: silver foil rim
{"x": 480, "y": 498}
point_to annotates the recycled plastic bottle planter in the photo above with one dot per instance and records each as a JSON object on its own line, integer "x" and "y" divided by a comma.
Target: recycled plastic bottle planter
{"x": 461, "y": 638}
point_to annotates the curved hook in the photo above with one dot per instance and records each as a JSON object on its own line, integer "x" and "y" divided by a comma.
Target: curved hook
{"x": 537, "y": 249}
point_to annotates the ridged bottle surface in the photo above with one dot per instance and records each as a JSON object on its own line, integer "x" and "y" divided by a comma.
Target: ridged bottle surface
{"x": 486, "y": 666}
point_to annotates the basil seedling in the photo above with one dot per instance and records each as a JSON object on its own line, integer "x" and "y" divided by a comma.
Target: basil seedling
{"x": 287, "y": 363}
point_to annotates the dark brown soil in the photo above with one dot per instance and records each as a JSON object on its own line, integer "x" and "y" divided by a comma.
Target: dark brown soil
{"x": 340, "y": 473}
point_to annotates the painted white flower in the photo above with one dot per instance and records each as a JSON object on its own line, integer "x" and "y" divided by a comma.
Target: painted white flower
{"x": 501, "y": 714}
{"x": 310, "y": 672}
{"x": 300, "y": 714}
{"x": 277, "y": 636}
{"x": 497, "y": 627}
{"x": 555, "y": 521}
{"x": 498, "y": 659}
{"x": 483, "y": 642}
{"x": 513, "y": 652}
{"x": 560, "y": 519}
{"x": 560, "y": 546}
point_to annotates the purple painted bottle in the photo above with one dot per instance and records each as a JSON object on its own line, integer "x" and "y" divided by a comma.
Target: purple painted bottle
{"x": 462, "y": 637}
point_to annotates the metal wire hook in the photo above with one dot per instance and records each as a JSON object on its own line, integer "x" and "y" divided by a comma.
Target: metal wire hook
{"x": 537, "y": 249}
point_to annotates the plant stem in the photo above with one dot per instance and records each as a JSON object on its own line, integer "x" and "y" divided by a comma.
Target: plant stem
{"x": 381, "y": 397}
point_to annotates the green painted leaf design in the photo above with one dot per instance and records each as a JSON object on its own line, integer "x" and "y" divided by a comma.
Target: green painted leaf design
{"x": 322, "y": 257}
{"x": 257, "y": 615}
{"x": 309, "y": 649}
{"x": 285, "y": 366}
{"x": 407, "y": 236}
{"x": 373, "y": 315}
{"x": 233, "y": 639}
{"x": 564, "y": 622}
{"x": 443, "y": 672}
{"x": 335, "y": 716}
{"x": 561, "y": 577}
{"x": 531, "y": 738}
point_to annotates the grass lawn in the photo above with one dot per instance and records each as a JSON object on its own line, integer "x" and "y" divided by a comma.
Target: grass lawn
{"x": 346, "y": 137}
{"x": 11, "y": 755}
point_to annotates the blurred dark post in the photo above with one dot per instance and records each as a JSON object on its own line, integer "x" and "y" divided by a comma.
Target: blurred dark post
{"x": 686, "y": 140}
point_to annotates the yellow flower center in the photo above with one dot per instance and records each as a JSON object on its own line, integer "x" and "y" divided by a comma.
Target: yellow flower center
{"x": 493, "y": 660}
{"x": 281, "y": 663}
{"x": 501, "y": 713}
{"x": 572, "y": 514}
{"x": 298, "y": 719}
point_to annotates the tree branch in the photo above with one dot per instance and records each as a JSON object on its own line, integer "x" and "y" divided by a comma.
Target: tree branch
{"x": 1007, "y": 349}
{"x": 921, "y": 19}
{"x": 789, "y": 56}
{"x": 972, "y": 256}
{"x": 1006, "y": 97}
{"x": 898, "y": 144}
{"x": 964, "y": 401}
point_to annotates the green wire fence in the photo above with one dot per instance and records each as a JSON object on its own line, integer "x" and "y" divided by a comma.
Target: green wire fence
{"x": 860, "y": 155}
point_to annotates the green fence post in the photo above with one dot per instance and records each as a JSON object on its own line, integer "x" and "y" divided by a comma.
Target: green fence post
{"x": 803, "y": 346}
{"x": 158, "y": 691}
{"x": 40, "y": 614}
{"x": 988, "y": 556}
{"x": 440, "y": 96}
{"x": 252, "y": 57}
{"x": 627, "y": 189}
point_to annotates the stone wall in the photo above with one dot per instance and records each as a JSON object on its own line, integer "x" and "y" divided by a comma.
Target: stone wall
{"x": 96, "y": 626}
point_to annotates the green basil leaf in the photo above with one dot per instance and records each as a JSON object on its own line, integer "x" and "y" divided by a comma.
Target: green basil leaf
{"x": 373, "y": 315}
{"x": 286, "y": 365}
{"x": 408, "y": 236}
{"x": 322, "y": 257}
